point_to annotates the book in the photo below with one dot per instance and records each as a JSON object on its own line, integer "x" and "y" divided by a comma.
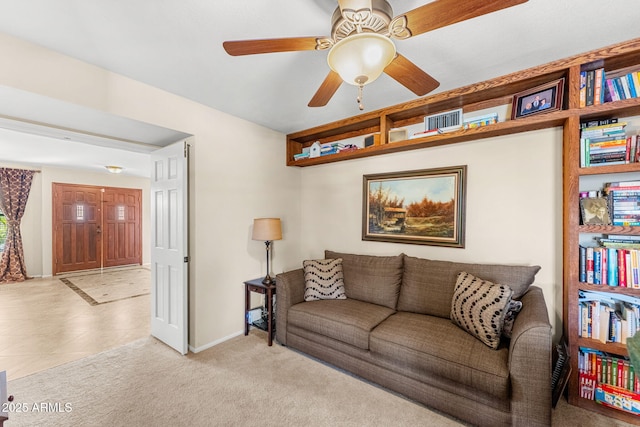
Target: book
{"x": 632, "y": 86}
{"x": 598, "y": 93}
{"x": 625, "y": 86}
{"x": 612, "y": 93}
{"x": 426, "y": 133}
{"x": 618, "y": 398}
{"x": 617, "y": 82}
{"x": 597, "y": 122}
{"x": 602, "y": 130}
{"x": 635, "y": 76}
{"x": 623, "y": 184}
{"x": 590, "y": 86}
{"x": 582, "y": 264}
{"x": 583, "y": 89}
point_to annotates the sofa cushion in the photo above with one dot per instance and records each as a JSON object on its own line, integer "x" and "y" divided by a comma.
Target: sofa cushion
{"x": 479, "y": 307}
{"x": 347, "y": 320}
{"x": 427, "y": 285}
{"x": 323, "y": 279}
{"x": 431, "y": 345}
{"x": 374, "y": 279}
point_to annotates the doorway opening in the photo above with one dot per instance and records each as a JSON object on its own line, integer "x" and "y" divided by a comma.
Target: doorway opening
{"x": 95, "y": 227}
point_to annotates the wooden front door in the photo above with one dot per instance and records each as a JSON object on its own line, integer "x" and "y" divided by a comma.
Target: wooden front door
{"x": 95, "y": 227}
{"x": 77, "y": 241}
{"x": 122, "y": 230}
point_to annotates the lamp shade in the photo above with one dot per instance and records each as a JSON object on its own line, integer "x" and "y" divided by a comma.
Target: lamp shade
{"x": 266, "y": 229}
{"x": 360, "y": 58}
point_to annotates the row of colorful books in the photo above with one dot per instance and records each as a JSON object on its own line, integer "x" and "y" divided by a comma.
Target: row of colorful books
{"x": 623, "y": 199}
{"x": 325, "y": 149}
{"x": 608, "y": 144}
{"x": 608, "y": 379}
{"x": 480, "y": 121}
{"x": 610, "y": 266}
{"x": 608, "y": 368}
{"x": 622, "y": 84}
{"x": 454, "y": 120}
{"x": 607, "y": 318}
{"x": 599, "y": 86}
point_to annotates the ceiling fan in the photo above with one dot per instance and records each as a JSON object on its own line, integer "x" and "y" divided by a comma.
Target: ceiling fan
{"x": 360, "y": 45}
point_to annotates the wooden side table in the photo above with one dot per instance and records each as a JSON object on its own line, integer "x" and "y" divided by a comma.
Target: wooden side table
{"x": 269, "y": 291}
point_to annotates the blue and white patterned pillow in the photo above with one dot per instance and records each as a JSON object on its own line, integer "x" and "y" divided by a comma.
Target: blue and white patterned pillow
{"x": 479, "y": 307}
{"x": 513, "y": 309}
{"x": 323, "y": 279}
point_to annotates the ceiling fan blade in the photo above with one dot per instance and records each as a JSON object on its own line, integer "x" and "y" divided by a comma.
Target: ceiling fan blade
{"x": 441, "y": 13}
{"x": 328, "y": 87}
{"x": 411, "y": 76}
{"x": 251, "y": 47}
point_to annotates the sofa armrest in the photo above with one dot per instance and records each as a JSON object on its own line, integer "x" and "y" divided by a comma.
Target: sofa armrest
{"x": 289, "y": 291}
{"x": 530, "y": 362}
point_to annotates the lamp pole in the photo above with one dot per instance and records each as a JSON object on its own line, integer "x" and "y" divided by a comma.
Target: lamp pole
{"x": 267, "y": 279}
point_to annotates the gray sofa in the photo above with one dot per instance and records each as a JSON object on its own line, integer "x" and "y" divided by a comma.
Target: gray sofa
{"x": 394, "y": 329}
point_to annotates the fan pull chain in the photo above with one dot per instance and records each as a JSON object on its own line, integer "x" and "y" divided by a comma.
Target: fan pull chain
{"x": 359, "y": 98}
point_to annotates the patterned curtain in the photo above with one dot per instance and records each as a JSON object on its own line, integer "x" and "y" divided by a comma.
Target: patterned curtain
{"x": 15, "y": 185}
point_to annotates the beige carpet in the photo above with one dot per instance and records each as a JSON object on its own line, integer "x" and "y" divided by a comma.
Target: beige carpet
{"x": 241, "y": 382}
{"x": 110, "y": 285}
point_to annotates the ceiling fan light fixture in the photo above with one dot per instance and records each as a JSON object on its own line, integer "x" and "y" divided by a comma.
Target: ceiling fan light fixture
{"x": 360, "y": 58}
{"x": 114, "y": 169}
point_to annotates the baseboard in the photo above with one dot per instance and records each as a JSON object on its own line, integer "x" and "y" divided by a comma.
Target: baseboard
{"x": 214, "y": 343}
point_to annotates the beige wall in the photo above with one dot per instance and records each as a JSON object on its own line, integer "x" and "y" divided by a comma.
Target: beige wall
{"x": 513, "y": 209}
{"x": 237, "y": 172}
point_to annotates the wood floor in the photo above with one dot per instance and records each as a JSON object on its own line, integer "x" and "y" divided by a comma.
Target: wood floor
{"x": 44, "y": 323}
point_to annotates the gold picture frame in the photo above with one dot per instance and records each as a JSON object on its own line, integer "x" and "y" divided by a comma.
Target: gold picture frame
{"x": 425, "y": 207}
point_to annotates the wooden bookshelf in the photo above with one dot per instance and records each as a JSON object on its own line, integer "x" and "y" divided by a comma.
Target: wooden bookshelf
{"x": 611, "y": 59}
{"x": 483, "y": 95}
{"x": 499, "y": 92}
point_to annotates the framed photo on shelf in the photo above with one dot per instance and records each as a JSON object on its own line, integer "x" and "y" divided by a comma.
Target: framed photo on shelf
{"x": 540, "y": 99}
{"x": 425, "y": 207}
{"x": 595, "y": 210}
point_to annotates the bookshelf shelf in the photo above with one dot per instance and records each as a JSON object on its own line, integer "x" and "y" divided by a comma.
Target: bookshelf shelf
{"x": 610, "y": 289}
{"x": 553, "y": 119}
{"x": 609, "y": 229}
{"x": 599, "y": 170}
{"x": 596, "y": 407}
{"x": 616, "y": 348}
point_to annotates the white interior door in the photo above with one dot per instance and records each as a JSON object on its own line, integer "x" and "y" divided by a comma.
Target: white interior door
{"x": 169, "y": 248}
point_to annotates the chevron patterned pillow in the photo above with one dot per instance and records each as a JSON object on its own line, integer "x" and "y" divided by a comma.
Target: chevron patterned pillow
{"x": 323, "y": 279}
{"x": 479, "y": 307}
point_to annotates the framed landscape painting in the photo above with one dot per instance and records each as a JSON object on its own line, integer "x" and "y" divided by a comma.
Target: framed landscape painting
{"x": 424, "y": 207}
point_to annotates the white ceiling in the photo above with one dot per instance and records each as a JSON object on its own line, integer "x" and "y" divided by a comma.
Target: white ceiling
{"x": 177, "y": 46}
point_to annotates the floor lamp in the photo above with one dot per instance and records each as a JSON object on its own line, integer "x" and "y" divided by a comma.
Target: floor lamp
{"x": 267, "y": 230}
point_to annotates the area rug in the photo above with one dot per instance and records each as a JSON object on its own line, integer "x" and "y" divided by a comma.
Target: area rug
{"x": 111, "y": 285}
{"x": 241, "y": 382}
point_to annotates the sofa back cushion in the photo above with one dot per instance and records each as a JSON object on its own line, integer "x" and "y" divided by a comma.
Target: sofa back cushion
{"x": 369, "y": 278}
{"x": 427, "y": 285}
